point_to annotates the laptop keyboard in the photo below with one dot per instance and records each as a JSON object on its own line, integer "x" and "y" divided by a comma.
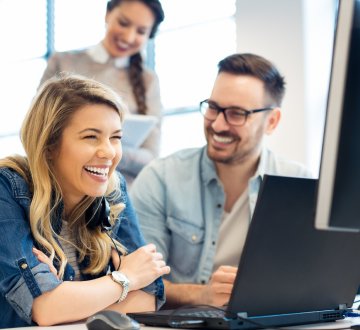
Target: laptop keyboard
{"x": 211, "y": 313}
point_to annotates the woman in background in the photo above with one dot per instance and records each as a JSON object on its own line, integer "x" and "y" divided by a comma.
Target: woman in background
{"x": 117, "y": 62}
{"x": 71, "y": 244}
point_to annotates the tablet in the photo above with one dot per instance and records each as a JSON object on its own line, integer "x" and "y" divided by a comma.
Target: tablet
{"x": 136, "y": 128}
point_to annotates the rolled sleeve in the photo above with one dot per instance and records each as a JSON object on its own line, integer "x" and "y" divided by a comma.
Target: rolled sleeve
{"x": 22, "y": 276}
{"x": 31, "y": 284}
{"x": 157, "y": 288}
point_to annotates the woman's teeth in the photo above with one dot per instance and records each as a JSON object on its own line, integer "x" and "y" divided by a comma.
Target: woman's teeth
{"x": 97, "y": 170}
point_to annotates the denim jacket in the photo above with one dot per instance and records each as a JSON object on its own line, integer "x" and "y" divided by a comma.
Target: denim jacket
{"x": 179, "y": 201}
{"x": 22, "y": 276}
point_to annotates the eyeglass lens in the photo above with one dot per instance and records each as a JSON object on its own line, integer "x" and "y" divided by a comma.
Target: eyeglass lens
{"x": 232, "y": 116}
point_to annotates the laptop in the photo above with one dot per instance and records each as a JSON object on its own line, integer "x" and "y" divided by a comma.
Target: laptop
{"x": 289, "y": 273}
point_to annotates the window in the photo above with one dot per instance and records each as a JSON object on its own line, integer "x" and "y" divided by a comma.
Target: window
{"x": 30, "y": 38}
{"x": 21, "y": 64}
{"x": 193, "y": 38}
{"x": 79, "y": 23}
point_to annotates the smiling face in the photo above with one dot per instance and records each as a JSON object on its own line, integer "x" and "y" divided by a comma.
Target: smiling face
{"x": 236, "y": 144}
{"x": 128, "y": 28}
{"x": 89, "y": 151}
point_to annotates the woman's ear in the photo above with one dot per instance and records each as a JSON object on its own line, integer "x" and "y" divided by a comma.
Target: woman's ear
{"x": 50, "y": 153}
{"x": 273, "y": 120}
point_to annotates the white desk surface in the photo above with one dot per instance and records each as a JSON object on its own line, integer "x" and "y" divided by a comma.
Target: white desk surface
{"x": 341, "y": 324}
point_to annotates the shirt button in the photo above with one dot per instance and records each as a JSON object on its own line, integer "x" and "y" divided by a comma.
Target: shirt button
{"x": 71, "y": 278}
{"x": 218, "y": 206}
{"x": 193, "y": 237}
{"x": 24, "y": 266}
{"x": 213, "y": 242}
{"x": 203, "y": 281}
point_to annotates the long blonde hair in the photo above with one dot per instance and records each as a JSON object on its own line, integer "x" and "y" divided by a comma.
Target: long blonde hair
{"x": 50, "y": 112}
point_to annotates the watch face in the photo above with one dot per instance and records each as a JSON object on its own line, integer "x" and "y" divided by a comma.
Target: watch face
{"x": 120, "y": 277}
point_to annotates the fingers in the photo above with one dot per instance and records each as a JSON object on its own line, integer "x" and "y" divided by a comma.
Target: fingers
{"x": 160, "y": 263}
{"x": 150, "y": 250}
{"x": 223, "y": 277}
{"x": 149, "y": 247}
{"x": 164, "y": 269}
{"x": 224, "y": 274}
{"x": 227, "y": 269}
{"x": 222, "y": 281}
{"x": 42, "y": 257}
{"x": 158, "y": 256}
{"x": 144, "y": 265}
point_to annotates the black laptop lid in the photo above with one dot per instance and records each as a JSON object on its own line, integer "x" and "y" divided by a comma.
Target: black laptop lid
{"x": 287, "y": 265}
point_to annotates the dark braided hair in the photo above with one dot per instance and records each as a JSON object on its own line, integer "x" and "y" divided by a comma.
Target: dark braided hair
{"x": 136, "y": 68}
{"x": 136, "y": 77}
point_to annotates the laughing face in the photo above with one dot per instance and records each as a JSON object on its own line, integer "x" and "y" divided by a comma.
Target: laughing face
{"x": 89, "y": 151}
{"x": 128, "y": 28}
{"x": 236, "y": 144}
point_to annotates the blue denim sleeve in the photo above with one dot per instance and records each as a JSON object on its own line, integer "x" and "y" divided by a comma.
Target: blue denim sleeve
{"x": 31, "y": 284}
{"x": 129, "y": 234}
{"x": 22, "y": 276}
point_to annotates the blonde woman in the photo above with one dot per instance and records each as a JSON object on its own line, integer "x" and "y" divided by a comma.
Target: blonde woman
{"x": 71, "y": 244}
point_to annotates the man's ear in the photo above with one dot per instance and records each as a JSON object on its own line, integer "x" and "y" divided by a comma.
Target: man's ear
{"x": 273, "y": 120}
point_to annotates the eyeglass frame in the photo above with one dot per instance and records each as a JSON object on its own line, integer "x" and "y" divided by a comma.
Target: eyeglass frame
{"x": 246, "y": 113}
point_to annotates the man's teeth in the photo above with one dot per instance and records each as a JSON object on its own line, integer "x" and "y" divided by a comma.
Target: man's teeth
{"x": 223, "y": 139}
{"x": 97, "y": 170}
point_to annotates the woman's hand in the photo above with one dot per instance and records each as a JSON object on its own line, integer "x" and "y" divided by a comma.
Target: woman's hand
{"x": 42, "y": 257}
{"x": 143, "y": 266}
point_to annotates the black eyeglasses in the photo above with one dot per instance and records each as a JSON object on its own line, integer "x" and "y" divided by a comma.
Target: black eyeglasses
{"x": 234, "y": 116}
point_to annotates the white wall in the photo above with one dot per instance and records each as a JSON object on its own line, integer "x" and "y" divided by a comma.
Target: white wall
{"x": 296, "y": 35}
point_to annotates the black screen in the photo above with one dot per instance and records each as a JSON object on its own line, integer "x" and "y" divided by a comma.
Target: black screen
{"x": 338, "y": 204}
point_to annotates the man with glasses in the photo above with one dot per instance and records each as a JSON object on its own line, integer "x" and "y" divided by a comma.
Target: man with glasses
{"x": 196, "y": 204}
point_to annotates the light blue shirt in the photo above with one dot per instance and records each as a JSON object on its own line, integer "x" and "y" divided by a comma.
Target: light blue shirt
{"x": 179, "y": 201}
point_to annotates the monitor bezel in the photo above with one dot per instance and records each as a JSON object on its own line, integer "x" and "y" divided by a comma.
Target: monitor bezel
{"x": 339, "y": 67}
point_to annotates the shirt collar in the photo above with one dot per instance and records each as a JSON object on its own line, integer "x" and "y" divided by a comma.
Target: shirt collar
{"x": 262, "y": 166}
{"x": 208, "y": 167}
{"x": 99, "y": 54}
{"x": 209, "y": 170}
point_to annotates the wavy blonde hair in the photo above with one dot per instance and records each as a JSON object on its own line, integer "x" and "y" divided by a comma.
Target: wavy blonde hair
{"x": 50, "y": 112}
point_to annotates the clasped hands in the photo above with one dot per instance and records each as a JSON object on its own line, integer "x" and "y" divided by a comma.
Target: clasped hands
{"x": 142, "y": 266}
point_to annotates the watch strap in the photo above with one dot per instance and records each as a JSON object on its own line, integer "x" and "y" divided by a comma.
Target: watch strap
{"x": 123, "y": 281}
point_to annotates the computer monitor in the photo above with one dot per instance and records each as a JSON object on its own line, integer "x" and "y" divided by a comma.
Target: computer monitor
{"x": 338, "y": 194}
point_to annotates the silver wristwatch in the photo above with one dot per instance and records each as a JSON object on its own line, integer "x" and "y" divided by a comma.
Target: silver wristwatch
{"x": 121, "y": 278}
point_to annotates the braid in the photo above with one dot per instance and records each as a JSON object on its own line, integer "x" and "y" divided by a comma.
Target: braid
{"x": 137, "y": 82}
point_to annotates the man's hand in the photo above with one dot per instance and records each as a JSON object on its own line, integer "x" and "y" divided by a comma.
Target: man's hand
{"x": 217, "y": 291}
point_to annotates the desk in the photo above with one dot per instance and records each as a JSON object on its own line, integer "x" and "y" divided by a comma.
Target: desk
{"x": 78, "y": 326}
{"x": 341, "y": 324}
